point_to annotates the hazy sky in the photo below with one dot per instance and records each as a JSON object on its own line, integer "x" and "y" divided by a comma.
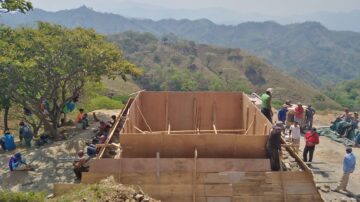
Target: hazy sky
{"x": 266, "y": 7}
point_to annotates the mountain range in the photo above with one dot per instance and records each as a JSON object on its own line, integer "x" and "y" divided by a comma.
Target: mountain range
{"x": 299, "y": 50}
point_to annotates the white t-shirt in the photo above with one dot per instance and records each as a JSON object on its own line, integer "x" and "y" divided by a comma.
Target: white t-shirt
{"x": 295, "y": 132}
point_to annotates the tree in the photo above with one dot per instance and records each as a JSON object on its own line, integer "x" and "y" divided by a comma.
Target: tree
{"x": 22, "y": 6}
{"x": 53, "y": 63}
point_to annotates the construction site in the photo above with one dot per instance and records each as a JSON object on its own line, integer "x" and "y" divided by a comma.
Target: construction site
{"x": 198, "y": 146}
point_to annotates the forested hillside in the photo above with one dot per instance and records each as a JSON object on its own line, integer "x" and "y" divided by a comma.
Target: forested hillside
{"x": 347, "y": 94}
{"x": 298, "y": 49}
{"x": 173, "y": 64}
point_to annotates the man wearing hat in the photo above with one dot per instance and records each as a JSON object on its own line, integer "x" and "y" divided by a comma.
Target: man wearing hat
{"x": 348, "y": 168}
{"x": 266, "y": 104}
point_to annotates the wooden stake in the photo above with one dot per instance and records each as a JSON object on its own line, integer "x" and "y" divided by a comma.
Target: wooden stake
{"x": 138, "y": 129}
{"x": 214, "y": 127}
{"x": 195, "y": 114}
{"x": 254, "y": 126}
{"x": 265, "y": 129}
{"x": 158, "y": 167}
{"x": 247, "y": 118}
{"x": 194, "y": 175}
{"x": 166, "y": 111}
{"x": 169, "y": 128}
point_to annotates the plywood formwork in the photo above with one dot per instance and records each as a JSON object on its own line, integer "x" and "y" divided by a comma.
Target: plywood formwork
{"x": 198, "y": 146}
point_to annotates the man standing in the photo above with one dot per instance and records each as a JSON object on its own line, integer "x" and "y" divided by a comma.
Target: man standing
{"x": 299, "y": 114}
{"x": 25, "y": 133}
{"x": 309, "y": 116}
{"x": 348, "y": 167}
{"x": 282, "y": 113}
{"x": 295, "y": 135}
{"x": 273, "y": 147}
{"x": 266, "y": 104}
{"x": 311, "y": 139}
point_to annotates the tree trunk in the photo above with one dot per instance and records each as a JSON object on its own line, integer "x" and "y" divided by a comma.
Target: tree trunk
{"x": 6, "y": 117}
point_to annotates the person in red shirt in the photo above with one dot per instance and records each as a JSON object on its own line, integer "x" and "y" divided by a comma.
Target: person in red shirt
{"x": 311, "y": 139}
{"x": 299, "y": 114}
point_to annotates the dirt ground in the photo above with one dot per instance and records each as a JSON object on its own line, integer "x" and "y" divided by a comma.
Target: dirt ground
{"x": 330, "y": 154}
{"x": 52, "y": 162}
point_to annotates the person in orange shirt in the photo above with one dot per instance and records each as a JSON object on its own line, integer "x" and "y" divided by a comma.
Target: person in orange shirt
{"x": 82, "y": 119}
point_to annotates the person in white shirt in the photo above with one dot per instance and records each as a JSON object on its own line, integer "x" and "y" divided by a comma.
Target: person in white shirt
{"x": 295, "y": 135}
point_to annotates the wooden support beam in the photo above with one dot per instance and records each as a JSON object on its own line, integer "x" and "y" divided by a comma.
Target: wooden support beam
{"x": 167, "y": 111}
{"x": 169, "y": 129}
{"x": 254, "y": 125}
{"x": 247, "y": 118}
{"x": 194, "y": 175}
{"x": 319, "y": 182}
{"x": 113, "y": 145}
{"x": 195, "y": 114}
{"x": 158, "y": 167}
{"x": 214, "y": 127}
{"x": 265, "y": 129}
{"x": 141, "y": 114}
{"x": 138, "y": 129}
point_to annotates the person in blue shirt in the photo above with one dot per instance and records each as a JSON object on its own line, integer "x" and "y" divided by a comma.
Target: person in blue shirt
{"x": 282, "y": 113}
{"x": 7, "y": 141}
{"x": 348, "y": 168}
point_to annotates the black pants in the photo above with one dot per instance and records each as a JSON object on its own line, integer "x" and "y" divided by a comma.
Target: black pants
{"x": 310, "y": 150}
{"x": 273, "y": 154}
{"x": 309, "y": 122}
{"x": 78, "y": 171}
{"x": 267, "y": 113}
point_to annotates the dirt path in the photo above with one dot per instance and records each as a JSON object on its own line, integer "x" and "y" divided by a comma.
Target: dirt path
{"x": 48, "y": 160}
{"x": 331, "y": 154}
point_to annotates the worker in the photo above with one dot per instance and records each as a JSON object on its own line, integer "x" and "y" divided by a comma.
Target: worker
{"x": 347, "y": 127}
{"x": 80, "y": 165}
{"x": 295, "y": 135}
{"x": 299, "y": 114}
{"x": 112, "y": 121}
{"x": 282, "y": 113}
{"x": 273, "y": 147}
{"x": 266, "y": 104}
{"x": 311, "y": 139}
{"x": 17, "y": 163}
{"x": 82, "y": 119}
{"x": 349, "y": 163}
{"x": 7, "y": 141}
{"x": 25, "y": 133}
{"x": 309, "y": 116}
{"x": 346, "y": 116}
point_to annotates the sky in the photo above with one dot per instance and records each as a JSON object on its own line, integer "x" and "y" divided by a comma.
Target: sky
{"x": 264, "y": 7}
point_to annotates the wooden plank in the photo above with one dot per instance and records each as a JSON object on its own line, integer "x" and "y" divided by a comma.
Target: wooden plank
{"x": 187, "y": 164}
{"x": 60, "y": 189}
{"x": 92, "y": 177}
{"x": 182, "y": 145}
{"x": 218, "y": 190}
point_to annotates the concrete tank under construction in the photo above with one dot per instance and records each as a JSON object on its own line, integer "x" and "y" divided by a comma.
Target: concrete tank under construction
{"x": 198, "y": 146}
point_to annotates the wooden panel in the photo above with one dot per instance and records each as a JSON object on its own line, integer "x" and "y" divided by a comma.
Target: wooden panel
{"x": 183, "y": 146}
{"x": 152, "y": 106}
{"x": 93, "y": 177}
{"x": 187, "y": 165}
{"x": 60, "y": 189}
{"x": 105, "y": 165}
{"x": 181, "y": 110}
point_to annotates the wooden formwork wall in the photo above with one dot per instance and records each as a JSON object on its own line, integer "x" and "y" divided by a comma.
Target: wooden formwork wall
{"x": 157, "y": 111}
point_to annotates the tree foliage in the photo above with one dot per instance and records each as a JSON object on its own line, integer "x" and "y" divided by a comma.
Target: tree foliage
{"x": 22, "y": 6}
{"x": 53, "y": 64}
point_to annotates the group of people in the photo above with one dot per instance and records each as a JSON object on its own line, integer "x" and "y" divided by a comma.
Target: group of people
{"x": 26, "y": 135}
{"x": 101, "y": 134}
{"x": 273, "y": 145}
{"x": 288, "y": 114}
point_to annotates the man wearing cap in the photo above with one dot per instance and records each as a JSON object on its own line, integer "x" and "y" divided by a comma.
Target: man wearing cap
{"x": 273, "y": 147}
{"x": 266, "y": 104}
{"x": 309, "y": 116}
{"x": 348, "y": 168}
{"x": 282, "y": 113}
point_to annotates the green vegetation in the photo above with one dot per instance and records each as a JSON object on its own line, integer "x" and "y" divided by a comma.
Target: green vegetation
{"x": 346, "y": 93}
{"x": 22, "y": 6}
{"x": 53, "y": 64}
{"x": 8, "y": 196}
{"x": 170, "y": 63}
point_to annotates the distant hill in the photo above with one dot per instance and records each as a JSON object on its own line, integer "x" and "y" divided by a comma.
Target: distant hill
{"x": 173, "y": 64}
{"x": 346, "y": 93}
{"x": 329, "y": 56}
